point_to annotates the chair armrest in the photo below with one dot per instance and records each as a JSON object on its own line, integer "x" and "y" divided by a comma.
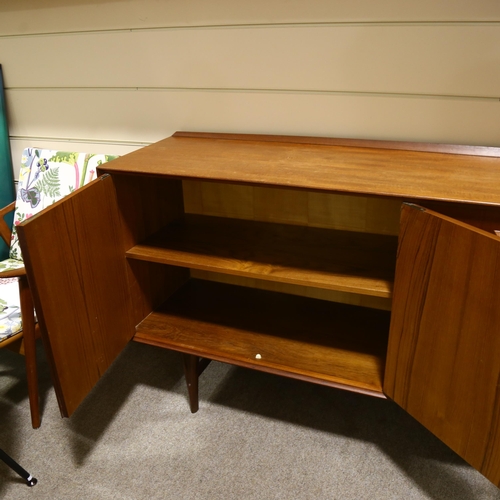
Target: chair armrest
{"x": 13, "y": 273}
{"x": 5, "y": 230}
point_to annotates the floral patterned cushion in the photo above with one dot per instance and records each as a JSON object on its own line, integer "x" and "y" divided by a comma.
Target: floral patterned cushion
{"x": 45, "y": 177}
{"x": 11, "y": 264}
{"x": 10, "y": 311}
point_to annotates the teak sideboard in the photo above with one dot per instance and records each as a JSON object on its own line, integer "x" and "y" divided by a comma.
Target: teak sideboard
{"x": 369, "y": 266}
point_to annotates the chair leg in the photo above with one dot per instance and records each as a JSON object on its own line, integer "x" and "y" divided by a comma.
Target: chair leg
{"x": 193, "y": 368}
{"x": 30, "y": 480}
{"x": 28, "y": 319}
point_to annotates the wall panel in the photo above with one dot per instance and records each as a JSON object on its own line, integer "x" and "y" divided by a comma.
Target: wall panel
{"x": 114, "y": 75}
{"x": 444, "y": 60}
{"x": 33, "y": 16}
{"x": 146, "y": 116}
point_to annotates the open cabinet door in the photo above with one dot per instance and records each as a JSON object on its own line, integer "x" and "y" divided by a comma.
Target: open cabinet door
{"x": 443, "y": 363}
{"x": 75, "y": 263}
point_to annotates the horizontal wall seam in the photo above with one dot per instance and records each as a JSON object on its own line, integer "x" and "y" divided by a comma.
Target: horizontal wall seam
{"x": 341, "y": 24}
{"x": 257, "y": 90}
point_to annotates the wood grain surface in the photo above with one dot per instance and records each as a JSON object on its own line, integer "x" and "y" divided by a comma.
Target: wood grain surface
{"x": 336, "y": 260}
{"x": 74, "y": 259}
{"x": 313, "y": 340}
{"x": 367, "y": 214}
{"x": 341, "y": 169}
{"x": 145, "y": 205}
{"x": 355, "y": 299}
{"x": 443, "y": 361}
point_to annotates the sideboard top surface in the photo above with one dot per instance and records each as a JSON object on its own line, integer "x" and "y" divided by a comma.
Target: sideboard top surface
{"x": 404, "y": 170}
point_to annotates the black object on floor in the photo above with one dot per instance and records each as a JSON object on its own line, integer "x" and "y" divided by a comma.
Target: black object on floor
{"x": 30, "y": 480}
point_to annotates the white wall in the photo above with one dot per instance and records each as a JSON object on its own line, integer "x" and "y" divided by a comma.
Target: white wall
{"x": 111, "y": 76}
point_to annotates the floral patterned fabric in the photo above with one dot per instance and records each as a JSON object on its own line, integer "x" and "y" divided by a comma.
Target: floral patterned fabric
{"x": 10, "y": 264}
{"x": 10, "y": 310}
{"x": 45, "y": 177}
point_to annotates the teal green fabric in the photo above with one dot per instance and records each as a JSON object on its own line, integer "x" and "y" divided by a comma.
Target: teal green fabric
{"x": 7, "y": 192}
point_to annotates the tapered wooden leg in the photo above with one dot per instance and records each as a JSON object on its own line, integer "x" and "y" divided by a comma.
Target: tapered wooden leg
{"x": 193, "y": 368}
{"x": 28, "y": 319}
{"x": 191, "y": 374}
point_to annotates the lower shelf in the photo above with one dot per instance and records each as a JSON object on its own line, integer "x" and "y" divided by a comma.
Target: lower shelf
{"x": 322, "y": 342}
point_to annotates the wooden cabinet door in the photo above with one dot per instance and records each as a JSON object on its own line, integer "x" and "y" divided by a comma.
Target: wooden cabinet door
{"x": 443, "y": 363}
{"x": 75, "y": 263}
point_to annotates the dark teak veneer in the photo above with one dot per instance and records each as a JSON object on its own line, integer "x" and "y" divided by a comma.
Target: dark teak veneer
{"x": 265, "y": 251}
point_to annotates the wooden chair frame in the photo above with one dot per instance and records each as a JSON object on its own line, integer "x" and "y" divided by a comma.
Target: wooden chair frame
{"x": 23, "y": 342}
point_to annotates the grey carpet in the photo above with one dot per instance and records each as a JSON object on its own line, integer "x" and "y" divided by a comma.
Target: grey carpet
{"x": 256, "y": 436}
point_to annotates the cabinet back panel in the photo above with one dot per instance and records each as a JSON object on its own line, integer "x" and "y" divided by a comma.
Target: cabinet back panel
{"x": 303, "y": 291}
{"x": 346, "y": 212}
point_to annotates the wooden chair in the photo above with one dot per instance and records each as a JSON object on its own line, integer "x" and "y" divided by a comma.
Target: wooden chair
{"x": 23, "y": 329}
{"x": 45, "y": 177}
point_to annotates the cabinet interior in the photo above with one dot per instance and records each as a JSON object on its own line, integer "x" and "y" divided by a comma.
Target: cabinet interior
{"x": 288, "y": 281}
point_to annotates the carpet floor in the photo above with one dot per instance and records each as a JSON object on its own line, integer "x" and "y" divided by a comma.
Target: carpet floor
{"x": 256, "y": 436}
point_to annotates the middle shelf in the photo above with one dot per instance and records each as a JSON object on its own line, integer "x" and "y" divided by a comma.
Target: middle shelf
{"x": 324, "y": 258}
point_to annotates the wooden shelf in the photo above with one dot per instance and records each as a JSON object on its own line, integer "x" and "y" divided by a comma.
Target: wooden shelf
{"x": 308, "y": 339}
{"x": 323, "y": 258}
